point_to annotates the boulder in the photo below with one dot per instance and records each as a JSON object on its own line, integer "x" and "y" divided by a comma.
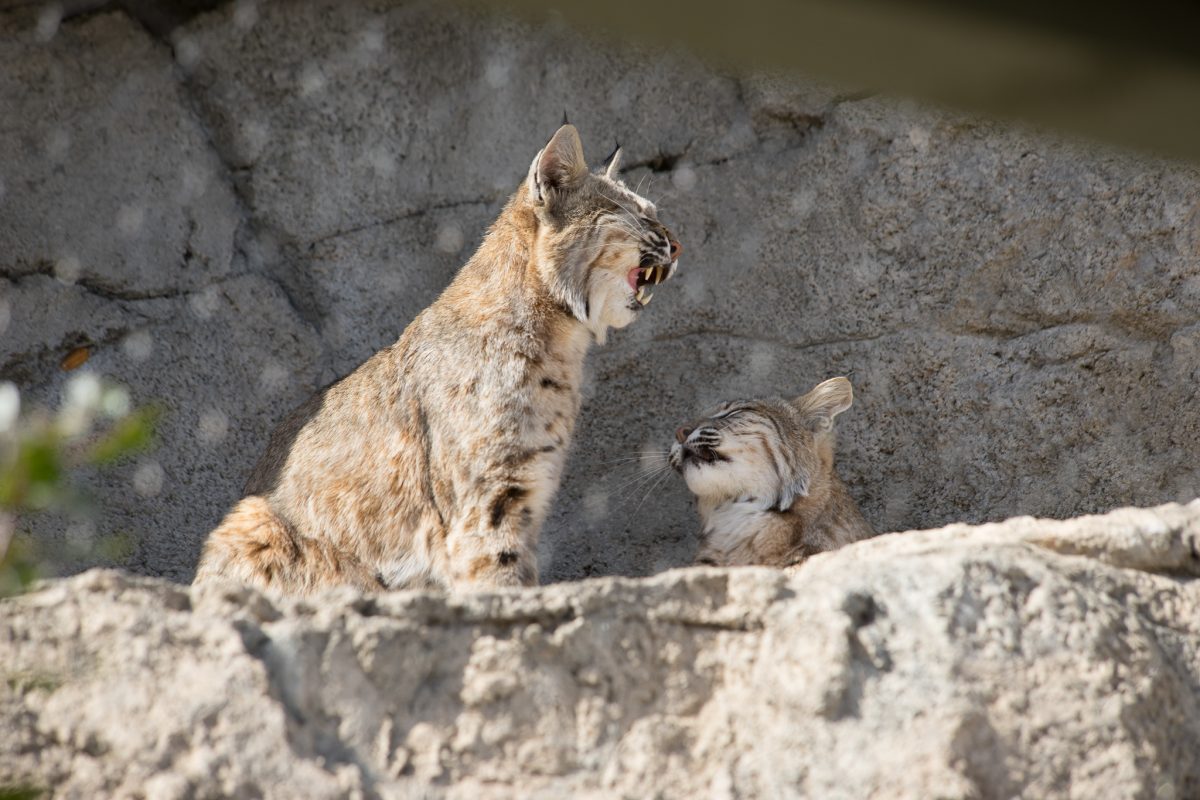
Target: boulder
{"x": 1031, "y": 658}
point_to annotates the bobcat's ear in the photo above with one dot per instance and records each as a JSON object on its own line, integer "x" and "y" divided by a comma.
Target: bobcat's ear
{"x": 612, "y": 164}
{"x": 824, "y": 402}
{"x": 558, "y": 168}
{"x": 796, "y": 486}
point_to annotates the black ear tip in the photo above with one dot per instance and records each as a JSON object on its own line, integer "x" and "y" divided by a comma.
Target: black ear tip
{"x": 613, "y": 154}
{"x": 565, "y": 120}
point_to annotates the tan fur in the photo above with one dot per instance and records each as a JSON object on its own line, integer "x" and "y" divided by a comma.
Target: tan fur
{"x": 764, "y": 477}
{"x": 436, "y": 460}
{"x": 258, "y": 548}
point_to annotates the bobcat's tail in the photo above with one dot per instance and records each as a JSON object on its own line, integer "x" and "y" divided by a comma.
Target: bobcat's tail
{"x": 253, "y": 545}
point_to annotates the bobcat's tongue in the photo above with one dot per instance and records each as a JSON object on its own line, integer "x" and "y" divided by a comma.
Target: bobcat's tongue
{"x": 643, "y": 280}
{"x": 647, "y": 276}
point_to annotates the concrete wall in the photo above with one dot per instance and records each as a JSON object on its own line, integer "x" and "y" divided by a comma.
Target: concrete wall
{"x": 235, "y": 214}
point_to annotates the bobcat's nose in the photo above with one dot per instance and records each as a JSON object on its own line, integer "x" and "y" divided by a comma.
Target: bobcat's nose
{"x": 681, "y": 434}
{"x": 676, "y": 249}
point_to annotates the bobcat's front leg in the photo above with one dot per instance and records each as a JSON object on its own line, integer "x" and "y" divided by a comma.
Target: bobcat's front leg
{"x": 496, "y": 544}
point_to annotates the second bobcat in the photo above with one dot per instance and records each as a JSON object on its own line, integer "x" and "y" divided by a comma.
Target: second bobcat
{"x": 762, "y": 472}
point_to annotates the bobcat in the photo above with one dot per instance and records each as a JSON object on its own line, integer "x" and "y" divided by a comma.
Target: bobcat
{"x": 435, "y": 461}
{"x": 762, "y": 471}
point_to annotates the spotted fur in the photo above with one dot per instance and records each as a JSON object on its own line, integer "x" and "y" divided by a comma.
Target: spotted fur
{"x": 435, "y": 462}
{"x": 763, "y": 475}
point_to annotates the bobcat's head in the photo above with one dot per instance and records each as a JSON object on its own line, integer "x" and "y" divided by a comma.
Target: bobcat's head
{"x": 599, "y": 246}
{"x": 770, "y": 450}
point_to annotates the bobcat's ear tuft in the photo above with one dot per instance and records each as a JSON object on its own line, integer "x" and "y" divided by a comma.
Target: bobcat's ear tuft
{"x": 612, "y": 164}
{"x": 558, "y": 168}
{"x": 824, "y": 402}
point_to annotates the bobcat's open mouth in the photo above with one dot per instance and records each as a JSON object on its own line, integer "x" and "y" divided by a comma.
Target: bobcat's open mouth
{"x": 642, "y": 280}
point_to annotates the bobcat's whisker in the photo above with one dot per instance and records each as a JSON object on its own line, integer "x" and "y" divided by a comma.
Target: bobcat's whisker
{"x": 638, "y": 481}
{"x": 667, "y": 195}
{"x": 649, "y": 492}
{"x": 628, "y": 215}
{"x": 634, "y": 233}
{"x": 642, "y": 471}
{"x": 621, "y": 205}
{"x": 636, "y": 218}
{"x": 634, "y": 470}
{"x": 626, "y": 498}
{"x": 654, "y": 456}
{"x": 597, "y": 247}
{"x": 640, "y": 232}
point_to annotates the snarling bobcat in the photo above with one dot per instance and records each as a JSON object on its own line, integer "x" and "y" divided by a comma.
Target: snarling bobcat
{"x": 763, "y": 475}
{"x": 435, "y": 462}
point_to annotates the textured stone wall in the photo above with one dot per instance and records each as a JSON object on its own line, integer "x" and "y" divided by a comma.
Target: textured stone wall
{"x": 233, "y": 214}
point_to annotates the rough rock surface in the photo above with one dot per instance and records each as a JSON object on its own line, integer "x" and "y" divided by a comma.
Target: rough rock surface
{"x": 1027, "y": 658}
{"x": 236, "y": 214}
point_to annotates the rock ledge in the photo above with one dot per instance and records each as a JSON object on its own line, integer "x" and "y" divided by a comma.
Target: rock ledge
{"x": 1031, "y": 657}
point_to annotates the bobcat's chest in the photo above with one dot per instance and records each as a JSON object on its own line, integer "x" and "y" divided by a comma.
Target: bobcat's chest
{"x": 539, "y": 453}
{"x": 527, "y": 419}
{"x": 733, "y": 524}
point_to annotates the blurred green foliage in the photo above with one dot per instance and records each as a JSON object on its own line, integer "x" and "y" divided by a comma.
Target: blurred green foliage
{"x": 40, "y": 454}
{"x": 20, "y": 792}
{"x": 32, "y": 682}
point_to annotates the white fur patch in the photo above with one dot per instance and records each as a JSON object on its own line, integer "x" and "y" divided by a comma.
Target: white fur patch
{"x": 731, "y": 524}
{"x": 397, "y": 574}
{"x": 608, "y": 301}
